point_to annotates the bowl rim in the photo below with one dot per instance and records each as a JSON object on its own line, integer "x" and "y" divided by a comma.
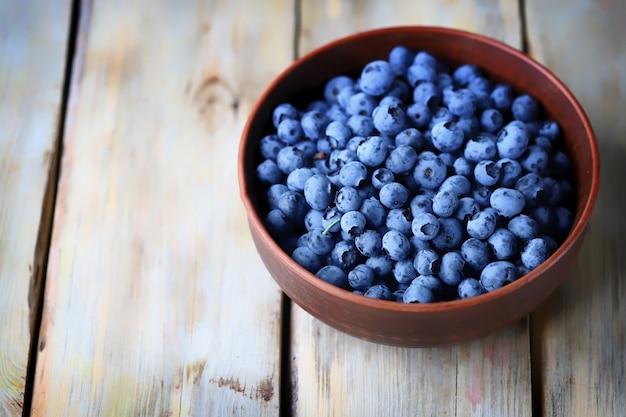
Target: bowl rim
{"x": 577, "y": 230}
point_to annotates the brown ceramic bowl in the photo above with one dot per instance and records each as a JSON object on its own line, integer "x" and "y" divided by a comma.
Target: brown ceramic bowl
{"x": 435, "y": 324}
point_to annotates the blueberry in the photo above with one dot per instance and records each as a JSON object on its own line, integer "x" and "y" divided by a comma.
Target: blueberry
{"x": 426, "y": 262}
{"x": 447, "y": 136}
{"x": 382, "y": 176}
{"x": 361, "y": 277}
{"x": 419, "y": 115}
{"x": 463, "y": 166}
{"x": 334, "y": 86}
{"x": 410, "y": 137}
{"x": 373, "y": 151}
{"x": 331, "y": 220}
{"x": 391, "y": 101}
{"x": 361, "y": 103}
{"x": 353, "y": 174}
{"x": 525, "y": 108}
{"x": 334, "y": 275}
{"x": 348, "y": 199}
{"x": 497, "y": 274}
{"x": 345, "y": 255}
{"x": 425, "y": 226}
{"x": 421, "y": 71}
{"x": 401, "y": 160}
{"x": 510, "y": 172}
{"x": 426, "y": 93}
{"x": 512, "y": 141}
{"x": 430, "y": 171}
{"x": 502, "y": 97}
{"x": 450, "y": 234}
{"x": 318, "y": 192}
{"x": 445, "y": 203}
{"x": 457, "y": 184}
{"x": 482, "y": 224}
{"x": 293, "y": 206}
{"x": 508, "y": 202}
{"x": 465, "y": 73}
{"x": 550, "y": 129}
{"x": 353, "y": 223}
{"x": 462, "y": 102}
{"x": 388, "y": 119}
{"x": 314, "y": 124}
{"x": 361, "y": 125}
{"x": 487, "y": 173}
{"x": 270, "y": 145}
{"x": 480, "y": 147}
{"x": 307, "y": 259}
{"x": 274, "y": 192}
{"x": 470, "y": 287}
{"x": 404, "y": 272}
{"x": 532, "y": 189}
{"x": 290, "y": 131}
{"x": 313, "y": 219}
{"x": 535, "y": 159}
{"x": 290, "y": 158}
{"x": 421, "y": 204}
{"x": 284, "y": 111}
{"x": 560, "y": 165}
{"x": 503, "y": 244}
{"x": 399, "y": 88}
{"x": 374, "y": 212}
{"x": 396, "y": 245}
{"x": 402, "y": 57}
{"x": 481, "y": 195}
{"x": 480, "y": 84}
{"x": 475, "y": 253}
{"x": 393, "y": 195}
{"x": 400, "y": 220}
{"x": 381, "y": 264}
{"x": 451, "y": 269}
{"x": 552, "y": 191}
{"x": 545, "y": 217}
{"x": 467, "y": 207}
{"x": 339, "y": 157}
{"x": 277, "y": 223}
{"x": 534, "y": 253}
{"x": 418, "y": 293}
{"x": 376, "y": 77}
{"x": 268, "y": 172}
{"x": 523, "y": 227}
{"x": 379, "y": 292}
{"x": 565, "y": 220}
{"x": 368, "y": 243}
{"x": 339, "y": 133}
{"x": 296, "y": 180}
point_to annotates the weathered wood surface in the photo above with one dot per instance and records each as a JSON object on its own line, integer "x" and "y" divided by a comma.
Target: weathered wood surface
{"x": 156, "y": 302}
{"x": 579, "y": 335}
{"x": 336, "y": 375}
{"x": 33, "y": 43}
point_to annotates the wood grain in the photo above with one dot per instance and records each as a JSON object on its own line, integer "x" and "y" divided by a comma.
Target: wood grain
{"x": 156, "y": 302}
{"x": 334, "y": 374}
{"x": 33, "y": 44}
{"x": 579, "y": 335}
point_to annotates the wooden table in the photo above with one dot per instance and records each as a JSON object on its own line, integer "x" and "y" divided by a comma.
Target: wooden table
{"x": 129, "y": 285}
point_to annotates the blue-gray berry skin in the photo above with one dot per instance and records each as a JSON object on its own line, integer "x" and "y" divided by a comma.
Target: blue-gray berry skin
{"x": 535, "y": 160}
{"x": 463, "y": 166}
{"x": 369, "y": 243}
{"x": 417, "y": 293}
{"x": 426, "y": 262}
{"x": 447, "y": 136}
{"x": 421, "y": 71}
{"x": 373, "y": 151}
{"x": 445, "y": 203}
{"x": 462, "y": 102}
{"x": 348, "y": 199}
{"x": 296, "y": 180}
{"x": 401, "y": 160}
{"x": 525, "y": 108}
{"x": 404, "y": 272}
{"x": 381, "y": 264}
{"x": 389, "y": 119}
{"x": 379, "y": 292}
{"x": 345, "y": 255}
{"x": 393, "y": 195}
{"x": 502, "y": 244}
{"x": 400, "y": 219}
{"x": 353, "y": 223}
{"x": 480, "y": 147}
{"x": 410, "y": 137}
{"x": 467, "y": 207}
{"x": 284, "y": 111}
{"x": 313, "y": 219}
{"x": 430, "y": 171}
{"x": 475, "y": 253}
{"x": 482, "y": 224}
{"x": 401, "y": 57}
{"x": 361, "y": 103}
{"x": 382, "y": 176}
{"x": 535, "y": 252}
{"x": 333, "y": 87}
{"x": 307, "y": 259}
{"x": 421, "y": 204}
{"x": 274, "y": 192}
{"x": 491, "y": 120}
{"x": 418, "y": 115}
{"x": 502, "y": 97}
{"x": 512, "y": 141}
{"x": 270, "y": 145}
{"x": 565, "y": 221}
{"x": 531, "y": 187}
{"x": 523, "y": 227}
{"x": 293, "y": 206}
{"x": 290, "y": 158}
{"x": 333, "y": 275}
{"x": 396, "y": 245}
{"x": 507, "y": 202}
{"x": 450, "y": 234}
{"x": 290, "y": 131}
{"x": 374, "y": 212}
{"x": 465, "y": 73}
{"x": 451, "y": 269}
{"x": 425, "y": 226}
{"x": 510, "y": 172}
{"x": 307, "y": 147}
{"x": 314, "y": 124}
{"x": 277, "y": 223}
{"x": 331, "y": 220}
{"x": 268, "y": 172}
{"x": 498, "y": 274}
{"x": 470, "y": 287}
{"x": 361, "y": 124}
{"x": 376, "y": 77}
{"x": 427, "y": 93}
{"x": 460, "y": 185}
{"x": 318, "y": 192}
{"x": 340, "y": 132}
{"x": 353, "y": 174}
{"x": 361, "y": 277}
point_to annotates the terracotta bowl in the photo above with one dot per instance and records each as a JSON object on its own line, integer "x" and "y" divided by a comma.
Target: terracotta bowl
{"x": 435, "y": 324}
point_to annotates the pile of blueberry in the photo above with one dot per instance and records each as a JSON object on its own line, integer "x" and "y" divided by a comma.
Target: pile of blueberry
{"x": 416, "y": 182}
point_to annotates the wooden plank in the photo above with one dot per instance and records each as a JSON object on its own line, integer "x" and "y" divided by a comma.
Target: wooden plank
{"x": 33, "y": 44}
{"x": 579, "y": 335}
{"x": 334, "y": 374}
{"x": 156, "y": 302}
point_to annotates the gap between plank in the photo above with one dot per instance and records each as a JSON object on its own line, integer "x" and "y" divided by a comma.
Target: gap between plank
{"x": 44, "y": 236}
